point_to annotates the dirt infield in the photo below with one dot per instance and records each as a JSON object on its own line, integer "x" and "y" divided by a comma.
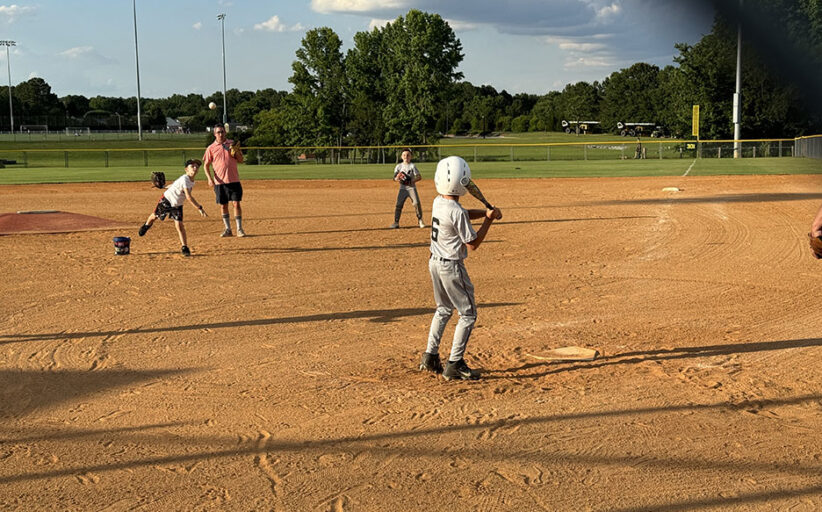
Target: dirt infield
{"x": 45, "y": 221}
{"x": 278, "y": 371}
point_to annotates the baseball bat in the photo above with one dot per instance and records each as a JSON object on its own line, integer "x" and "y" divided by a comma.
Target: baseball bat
{"x": 474, "y": 190}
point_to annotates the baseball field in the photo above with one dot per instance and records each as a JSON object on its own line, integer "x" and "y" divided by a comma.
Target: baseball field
{"x": 279, "y": 371}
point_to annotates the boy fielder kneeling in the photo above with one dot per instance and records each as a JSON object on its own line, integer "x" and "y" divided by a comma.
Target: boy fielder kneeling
{"x": 451, "y": 237}
{"x": 171, "y": 204}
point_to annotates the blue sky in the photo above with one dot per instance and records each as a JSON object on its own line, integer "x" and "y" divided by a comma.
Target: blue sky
{"x": 87, "y": 46}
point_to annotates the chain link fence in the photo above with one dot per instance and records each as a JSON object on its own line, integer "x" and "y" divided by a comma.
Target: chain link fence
{"x": 361, "y": 155}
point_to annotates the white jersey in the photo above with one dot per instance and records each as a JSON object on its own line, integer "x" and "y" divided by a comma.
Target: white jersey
{"x": 175, "y": 193}
{"x": 409, "y": 169}
{"x": 451, "y": 229}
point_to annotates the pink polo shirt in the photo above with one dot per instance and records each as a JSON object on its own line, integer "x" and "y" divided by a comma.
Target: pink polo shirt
{"x": 225, "y": 167}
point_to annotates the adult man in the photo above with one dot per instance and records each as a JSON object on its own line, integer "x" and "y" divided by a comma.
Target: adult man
{"x": 224, "y": 155}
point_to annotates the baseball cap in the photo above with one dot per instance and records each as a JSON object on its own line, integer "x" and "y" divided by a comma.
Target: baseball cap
{"x": 194, "y": 161}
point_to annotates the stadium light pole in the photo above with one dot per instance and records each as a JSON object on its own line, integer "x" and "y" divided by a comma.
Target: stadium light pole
{"x": 7, "y": 43}
{"x": 221, "y": 17}
{"x": 737, "y": 108}
{"x": 137, "y": 58}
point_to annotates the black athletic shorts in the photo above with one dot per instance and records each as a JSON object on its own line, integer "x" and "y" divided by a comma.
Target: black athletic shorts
{"x": 228, "y": 192}
{"x": 164, "y": 209}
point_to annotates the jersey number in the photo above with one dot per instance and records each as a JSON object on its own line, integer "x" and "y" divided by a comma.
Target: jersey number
{"x": 435, "y": 222}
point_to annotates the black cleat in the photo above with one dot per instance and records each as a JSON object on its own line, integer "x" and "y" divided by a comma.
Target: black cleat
{"x": 431, "y": 363}
{"x": 144, "y": 229}
{"x": 186, "y": 251}
{"x": 459, "y": 370}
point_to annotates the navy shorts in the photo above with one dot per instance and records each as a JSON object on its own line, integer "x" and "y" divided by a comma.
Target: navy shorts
{"x": 164, "y": 209}
{"x": 228, "y": 192}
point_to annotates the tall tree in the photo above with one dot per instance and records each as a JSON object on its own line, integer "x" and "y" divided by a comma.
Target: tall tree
{"x": 630, "y": 95}
{"x": 366, "y": 91}
{"x": 319, "y": 83}
{"x": 420, "y": 59}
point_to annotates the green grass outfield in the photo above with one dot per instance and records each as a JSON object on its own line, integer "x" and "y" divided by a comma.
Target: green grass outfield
{"x": 525, "y": 169}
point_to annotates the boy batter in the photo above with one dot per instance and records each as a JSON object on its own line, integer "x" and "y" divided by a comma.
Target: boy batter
{"x": 407, "y": 175}
{"x": 451, "y": 237}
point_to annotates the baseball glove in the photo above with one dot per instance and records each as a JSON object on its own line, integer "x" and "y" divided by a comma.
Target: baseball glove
{"x": 816, "y": 246}
{"x": 405, "y": 179}
{"x": 158, "y": 179}
{"x": 234, "y": 148}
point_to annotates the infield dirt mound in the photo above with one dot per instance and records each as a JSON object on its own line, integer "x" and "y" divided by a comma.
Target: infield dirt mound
{"x": 279, "y": 371}
{"x": 53, "y": 222}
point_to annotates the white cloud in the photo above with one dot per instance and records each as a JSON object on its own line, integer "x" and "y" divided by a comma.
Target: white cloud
{"x": 377, "y": 23}
{"x": 78, "y": 51}
{"x": 604, "y": 13}
{"x": 85, "y": 53}
{"x": 275, "y": 25}
{"x": 14, "y": 11}
{"x": 198, "y": 25}
{"x": 588, "y": 62}
{"x": 327, "y": 6}
{"x": 461, "y": 26}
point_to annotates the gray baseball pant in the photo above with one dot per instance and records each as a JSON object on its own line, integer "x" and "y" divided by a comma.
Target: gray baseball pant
{"x": 452, "y": 290}
{"x": 407, "y": 193}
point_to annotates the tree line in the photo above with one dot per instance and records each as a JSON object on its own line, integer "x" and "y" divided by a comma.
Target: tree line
{"x": 399, "y": 85}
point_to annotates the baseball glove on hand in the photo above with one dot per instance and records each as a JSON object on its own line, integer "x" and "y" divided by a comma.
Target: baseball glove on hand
{"x": 158, "y": 179}
{"x": 816, "y": 246}
{"x": 234, "y": 148}
{"x": 405, "y": 179}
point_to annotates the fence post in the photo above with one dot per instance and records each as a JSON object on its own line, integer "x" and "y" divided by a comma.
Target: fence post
{"x": 585, "y": 151}
{"x": 660, "y": 151}
{"x": 780, "y": 148}
{"x": 106, "y": 153}
{"x": 754, "y": 151}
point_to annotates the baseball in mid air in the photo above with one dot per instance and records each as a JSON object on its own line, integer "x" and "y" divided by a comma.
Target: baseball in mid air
{"x": 212, "y": 106}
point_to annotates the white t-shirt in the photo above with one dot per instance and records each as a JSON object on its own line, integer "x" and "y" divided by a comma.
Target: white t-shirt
{"x": 175, "y": 193}
{"x": 409, "y": 169}
{"x": 451, "y": 229}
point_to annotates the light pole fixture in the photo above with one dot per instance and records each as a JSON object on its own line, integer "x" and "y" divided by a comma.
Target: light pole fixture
{"x": 137, "y": 58}
{"x": 7, "y": 43}
{"x": 221, "y": 17}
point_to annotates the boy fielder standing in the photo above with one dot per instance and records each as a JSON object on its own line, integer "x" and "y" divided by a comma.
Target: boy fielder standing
{"x": 407, "y": 174}
{"x": 451, "y": 237}
{"x": 171, "y": 204}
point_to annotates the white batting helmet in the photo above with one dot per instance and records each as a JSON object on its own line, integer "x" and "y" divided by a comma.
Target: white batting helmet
{"x": 452, "y": 175}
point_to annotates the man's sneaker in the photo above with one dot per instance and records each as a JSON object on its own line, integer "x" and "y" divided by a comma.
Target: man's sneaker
{"x": 186, "y": 251}
{"x": 240, "y": 233}
{"x": 394, "y": 225}
{"x": 422, "y": 224}
{"x": 143, "y": 229}
{"x": 459, "y": 370}
{"x": 431, "y": 363}
{"x": 226, "y": 233}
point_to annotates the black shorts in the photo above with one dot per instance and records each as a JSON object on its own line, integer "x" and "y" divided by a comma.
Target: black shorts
{"x": 228, "y": 192}
{"x": 164, "y": 209}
